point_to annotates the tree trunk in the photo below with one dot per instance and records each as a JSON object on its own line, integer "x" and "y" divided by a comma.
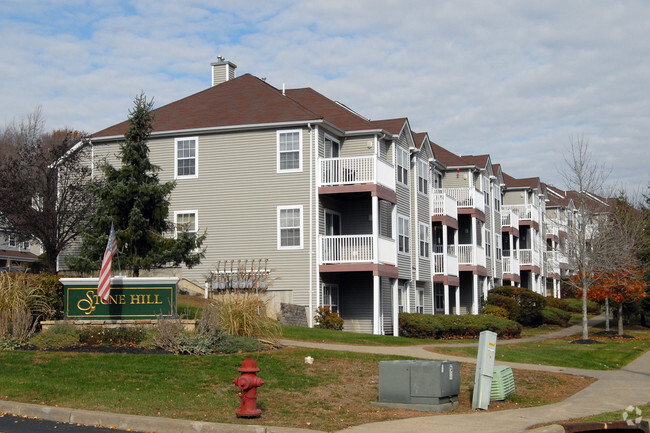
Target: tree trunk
{"x": 585, "y": 320}
{"x": 620, "y": 319}
{"x": 607, "y": 314}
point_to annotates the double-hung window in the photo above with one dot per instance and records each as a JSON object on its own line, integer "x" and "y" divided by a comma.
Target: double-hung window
{"x": 186, "y": 160}
{"x": 419, "y": 300}
{"x": 186, "y": 221}
{"x": 424, "y": 241}
{"x": 423, "y": 177}
{"x": 289, "y": 227}
{"x": 402, "y": 166}
{"x": 330, "y": 297}
{"x": 289, "y": 151}
{"x": 403, "y": 234}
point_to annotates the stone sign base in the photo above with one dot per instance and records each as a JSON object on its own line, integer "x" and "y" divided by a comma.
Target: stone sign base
{"x": 189, "y": 325}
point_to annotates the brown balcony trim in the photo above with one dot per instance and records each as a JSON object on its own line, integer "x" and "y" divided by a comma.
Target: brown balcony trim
{"x": 529, "y": 223}
{"x": 510, "y": 230}
{"x": 478, "y": 270}
{"x": 374, "y": 189}
{"x": 512, "y": 277}
{"x": 447, "y": 280}
{"x": 376, "y": 269}
{"x": 533, "y": 269}
{"x": 446, "y": 221}
{"x": 552, "y": 237}
{"x": 473, "y": 212}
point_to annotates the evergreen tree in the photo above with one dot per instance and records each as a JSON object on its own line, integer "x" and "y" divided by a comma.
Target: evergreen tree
{"x": 133, "y": 198}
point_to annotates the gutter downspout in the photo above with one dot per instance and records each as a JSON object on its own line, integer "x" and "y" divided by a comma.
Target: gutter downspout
{"x": 311, "y": 219}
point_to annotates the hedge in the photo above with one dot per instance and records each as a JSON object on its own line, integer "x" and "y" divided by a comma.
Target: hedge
{"x": 555, "y": 316}
{"x": 530, "y": 304}
{"x": 442, "y": 327}
{"x": 575, "y": 306}
{"x": 561, "y": 304}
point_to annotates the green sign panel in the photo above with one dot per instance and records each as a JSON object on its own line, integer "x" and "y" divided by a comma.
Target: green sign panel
{"x": 130, "y": 298}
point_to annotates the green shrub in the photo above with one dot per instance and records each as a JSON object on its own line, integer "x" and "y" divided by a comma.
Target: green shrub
{"x": 327, "y": 319}
{"x": 530, "y": 303}
{"x": 58, "y": 336}
{"x": 562, "y": 304}
{"x": 494, "y": 310}
{"x": 124, "y": 336}
{"x": 575, "y": 306}
{"x": 555, "y": 316}
{"x": 508, "y": 304}
{"x": 441, "y": 326}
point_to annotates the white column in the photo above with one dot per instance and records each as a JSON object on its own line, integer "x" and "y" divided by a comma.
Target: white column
{"x": 376, "y": 313}
{"x": 457, "y": 300}
{"x": 474, "y": 294}
{"x": 395, "y": 309}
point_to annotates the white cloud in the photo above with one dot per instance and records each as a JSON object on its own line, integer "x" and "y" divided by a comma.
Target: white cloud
{"x": 513, "y": 79}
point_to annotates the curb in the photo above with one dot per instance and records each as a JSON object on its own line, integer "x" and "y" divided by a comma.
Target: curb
{"x": 135, "y": 422}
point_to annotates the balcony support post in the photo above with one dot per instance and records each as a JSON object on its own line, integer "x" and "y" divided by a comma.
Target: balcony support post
{"x": 376, "y": 304}
{"x": 375, "y": 228}
{"x": 446, "y": 292}
{"x": 475, "y": 283}
{"x": 395, "y": 308}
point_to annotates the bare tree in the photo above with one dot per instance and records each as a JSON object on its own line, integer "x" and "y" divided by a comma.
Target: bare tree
{"x": 43, "y": 184}
{"x": 584, "y": 178}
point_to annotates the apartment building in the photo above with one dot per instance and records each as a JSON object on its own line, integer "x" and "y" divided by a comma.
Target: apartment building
{"x": 524, "y": 204}
{"x": 367, "y": 217}
{"x": 16, "y": 252}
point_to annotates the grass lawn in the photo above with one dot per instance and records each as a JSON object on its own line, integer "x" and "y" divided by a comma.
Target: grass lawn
{"x": 612, "y": 354}
{"x": 334, "y": 393}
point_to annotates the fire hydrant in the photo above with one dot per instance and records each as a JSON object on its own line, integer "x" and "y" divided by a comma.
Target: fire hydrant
{"x": 248, "y": 382}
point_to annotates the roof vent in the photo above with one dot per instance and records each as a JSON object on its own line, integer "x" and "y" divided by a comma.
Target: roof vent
{"x": 222, "y": 71}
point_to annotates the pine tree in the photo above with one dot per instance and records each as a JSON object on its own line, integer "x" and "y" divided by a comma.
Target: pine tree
{"x": 133, "y": 198}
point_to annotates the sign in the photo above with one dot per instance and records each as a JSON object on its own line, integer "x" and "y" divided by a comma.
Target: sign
{"x": 130, "y": 298}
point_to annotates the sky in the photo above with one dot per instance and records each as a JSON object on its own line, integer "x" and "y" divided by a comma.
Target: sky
{"x": 518, "y": 80}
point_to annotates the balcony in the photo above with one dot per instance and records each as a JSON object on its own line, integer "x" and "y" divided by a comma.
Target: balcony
{"x": 511, "y": 265}
{"x": 465, "y": 197}
{"x": 444, "y": 205}
{"x": 528, "y": 257}
{"x": 355, "y": 170}
{"x": 525, "y": 212}
{"x": 446, "y": 264}
{"x": 357, "y": 249}
{"x": 471, "y": 255}
{"x": 509, "y": 219}
{"x": 552, "y": 262}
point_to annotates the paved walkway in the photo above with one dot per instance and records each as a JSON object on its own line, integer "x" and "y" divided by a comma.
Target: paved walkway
{"x": 613, "y": 391}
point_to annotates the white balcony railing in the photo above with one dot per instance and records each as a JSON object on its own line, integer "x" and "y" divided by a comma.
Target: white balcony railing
{"x": 445, "y": 264}
{"x": 444, "y": 204}
{"x": 510, "y": 265}
{"x": 356, "y": 249}
{"x": 509, "y": 219}
{"x": 465, "y": 197}
{"x": 471, "y": 255}
{"x": 524, "y": 211}
{"x": 356, "y": 170}
{"x": 529, "y": 257}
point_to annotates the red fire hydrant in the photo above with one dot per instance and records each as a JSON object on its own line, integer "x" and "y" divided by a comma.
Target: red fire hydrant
{"x": 248, "y": 382}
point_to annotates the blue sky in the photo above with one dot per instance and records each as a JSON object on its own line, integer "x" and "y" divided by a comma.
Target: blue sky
{"x": 514, "y": 79}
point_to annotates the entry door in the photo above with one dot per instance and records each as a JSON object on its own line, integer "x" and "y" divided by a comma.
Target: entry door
{"x": 332, "y": 223}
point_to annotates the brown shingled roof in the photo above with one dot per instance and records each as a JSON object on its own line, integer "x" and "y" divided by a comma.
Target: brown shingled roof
{"x": 392, "y": 126}
{"x": 446, "y": 157}
{"x": 245, "y": 100}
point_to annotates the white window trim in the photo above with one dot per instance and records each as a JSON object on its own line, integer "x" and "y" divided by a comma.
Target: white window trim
{"x": 333, "y": 289}
{"x": 277, "y": 140}
{"x": 333, "y": 140}
{"x": 408, "y": 234}
{"x": 423, "y": 173}
{"x": 427, "y": 241}
{"x": 196, "y": 157}
{"x": 332, "y": 212}
{"x": 279, "y": 229}
{"x": 183, "y": 212}
{"x": 419, "y": 306}
{"x": 399, "y": 167}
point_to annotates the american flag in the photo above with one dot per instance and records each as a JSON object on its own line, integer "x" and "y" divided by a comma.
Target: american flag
{"x": 104, "y": 286}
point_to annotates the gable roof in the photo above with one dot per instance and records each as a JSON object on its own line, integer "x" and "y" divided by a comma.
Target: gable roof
{"x": 245, "y": 100}
{"x": 527, "y": 182}
{"x": 446, "y": 157}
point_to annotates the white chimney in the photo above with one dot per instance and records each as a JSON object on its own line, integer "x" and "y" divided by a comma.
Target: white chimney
{"x": 222, "y": 71}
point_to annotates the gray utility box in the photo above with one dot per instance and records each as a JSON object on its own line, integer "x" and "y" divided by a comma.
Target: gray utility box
{"x": 434, "y": 385}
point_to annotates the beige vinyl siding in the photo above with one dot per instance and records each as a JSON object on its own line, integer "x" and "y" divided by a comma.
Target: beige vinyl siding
{"x": 237, "y": 195}
{"x": 456, "y": 180}
{"x": 386, "y": 287}
{"x": 357, "y": 146}
{"x": 403, "y": 193}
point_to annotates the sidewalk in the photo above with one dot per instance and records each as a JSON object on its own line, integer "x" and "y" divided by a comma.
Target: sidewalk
{"x": 613, "y": 391}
